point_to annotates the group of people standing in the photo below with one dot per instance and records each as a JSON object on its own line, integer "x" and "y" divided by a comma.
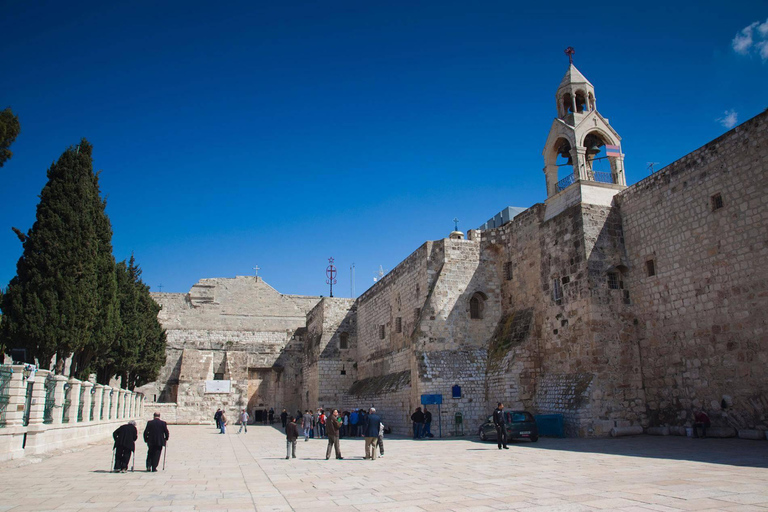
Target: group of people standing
{"x": 332, "y": 427}
{"x": 155, "y": 435}
{"x": 314, "y": 424}
{"x": 244, "y": 418}
{"x": 422, "y": 423}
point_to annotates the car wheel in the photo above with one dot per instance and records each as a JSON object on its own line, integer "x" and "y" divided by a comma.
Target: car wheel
{"x": 482, "y": 435}
{"x": 534, "y": 439}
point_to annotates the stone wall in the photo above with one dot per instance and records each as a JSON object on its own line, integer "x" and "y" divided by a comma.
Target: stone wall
{"x": 703, "y": 328}
{"x": 328, "y": 369}
{"x": 238, "y": 329}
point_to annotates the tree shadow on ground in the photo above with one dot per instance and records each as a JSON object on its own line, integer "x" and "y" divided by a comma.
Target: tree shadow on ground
{"x": 732, "y": 452}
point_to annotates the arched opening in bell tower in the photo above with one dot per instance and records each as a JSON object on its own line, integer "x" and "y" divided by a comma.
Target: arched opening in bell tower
{"x": 598, "y": 163}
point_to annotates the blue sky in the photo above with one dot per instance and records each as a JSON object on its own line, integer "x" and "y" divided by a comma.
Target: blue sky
{"x": 277, "y": 134}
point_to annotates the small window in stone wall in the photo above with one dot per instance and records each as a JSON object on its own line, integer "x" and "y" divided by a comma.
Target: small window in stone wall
{"x": 650, "y": 268}
{"x": 416, "y": 313}
{"x": 508, "y": 271}
{"x": 344, "y": 340}
{"x": 382, "y": 332}
{"x": 418, "y": 291}
{"x": 717, "y": 202}
{"x": 476, "y": 305}
{"x": 218, "y": 376}
{"x": 399, "y": 324}
{"x": 613, "y": 280}
{"x": 557, "y": 291}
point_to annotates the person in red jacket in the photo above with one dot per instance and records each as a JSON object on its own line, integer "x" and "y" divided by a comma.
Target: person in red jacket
{"x": 700, "y": 421}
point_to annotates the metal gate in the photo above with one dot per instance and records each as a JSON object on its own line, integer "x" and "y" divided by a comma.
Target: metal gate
{"x": 5, "y": 393}
{"x": 66, "y": 404}
{"x": 27, "y": 404}
{"x": 50, "y": 398}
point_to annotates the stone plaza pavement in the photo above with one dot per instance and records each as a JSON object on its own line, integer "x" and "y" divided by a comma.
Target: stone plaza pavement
{"x": 209, "y": 471}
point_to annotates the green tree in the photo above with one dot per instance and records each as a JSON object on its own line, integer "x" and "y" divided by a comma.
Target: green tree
{"x": 63, "y": 299}
{"x": 139, "y": 352}
{"x": 9, "y": 130}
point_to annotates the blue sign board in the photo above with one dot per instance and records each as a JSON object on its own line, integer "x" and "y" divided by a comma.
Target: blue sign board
{"x": 431, "y": 399}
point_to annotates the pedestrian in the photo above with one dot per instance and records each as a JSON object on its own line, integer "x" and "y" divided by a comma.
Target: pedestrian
{"x": 217, "y": 418}
{"x": 418, "y": 421}
{"x": 345, "y": 425}
{"x": 353, "y": 417}
{"x": 427, "y": 423}
{"x": 501, "y": 428}
{"x": 371, "y": 433}
{"x": 244, "y": 421}
{"x": 284, "y": 418}
{"x": 381, "y": 440}
{"x": 224, "y": 420}
{"x": 701, "y": 421}
{"x": 333, "y": 426}
{"x": 291, "y": 435}
{"x": 271, "y": 415}
{"x": 306, "y": 424}
{"x": 321, "y": 422}
{"x": 361, "y": 418}
{"x": 125, "y": 443}
{"x": 156, "y": 436}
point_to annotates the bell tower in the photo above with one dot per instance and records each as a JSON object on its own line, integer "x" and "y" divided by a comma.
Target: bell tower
{"x": 581, "y": 146}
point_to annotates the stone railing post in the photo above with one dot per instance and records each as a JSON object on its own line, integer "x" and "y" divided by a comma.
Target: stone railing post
{"x": 87, "y": 400}
{"x": 17, "y": 393}
{"x": 132, "y": 405}
{"x": 38, "y": 399}
{"x": 120, "y": 404}
{"x": 14, "y": 414}
{"x": 105, "y": 403}
{"x": 58, "y": 399}
{"x": 126, "y": 395}
{"x": 74, "y": 399}
{"x": 115, "y": 398}
{"x": 98, "y": 397}
{"x": 35, "y": 429}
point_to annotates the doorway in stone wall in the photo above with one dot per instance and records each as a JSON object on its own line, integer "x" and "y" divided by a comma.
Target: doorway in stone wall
{"x": 261, "y": 393}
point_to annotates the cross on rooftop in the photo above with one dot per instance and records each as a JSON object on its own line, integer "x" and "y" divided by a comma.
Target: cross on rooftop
{"x": 455, "y": 224}
{"x": 569, "y": 52}
{"x": 256, "y": 270}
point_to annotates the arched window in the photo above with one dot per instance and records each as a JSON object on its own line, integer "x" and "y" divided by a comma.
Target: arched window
{"x": 344, "y": 340}
{"x": 477, "y": 305}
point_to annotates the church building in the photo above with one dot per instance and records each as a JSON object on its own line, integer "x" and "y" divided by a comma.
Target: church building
{"x": 610, "y": 305}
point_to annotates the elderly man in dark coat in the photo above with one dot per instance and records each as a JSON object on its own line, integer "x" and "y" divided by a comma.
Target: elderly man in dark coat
{"x": 371, "y": 432}
{"x": 125, "y": 443}
{"x": 333, "y": 424}
{"x": 155, "y": 435}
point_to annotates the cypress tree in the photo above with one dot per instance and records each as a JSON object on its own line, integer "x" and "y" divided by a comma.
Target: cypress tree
{"x": 139, "y": 352}
{"x": 63, "y": 299}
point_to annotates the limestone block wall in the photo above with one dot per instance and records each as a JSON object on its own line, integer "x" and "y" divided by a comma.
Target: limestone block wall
{"x": 329, "y": 369}
{"x": 240, "y": 327}
{"x": 390, "y": 394}
{"x": 702, "y": 314}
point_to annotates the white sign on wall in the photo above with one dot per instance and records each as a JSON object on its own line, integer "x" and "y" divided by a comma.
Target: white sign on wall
{"x": 218, "y": 386}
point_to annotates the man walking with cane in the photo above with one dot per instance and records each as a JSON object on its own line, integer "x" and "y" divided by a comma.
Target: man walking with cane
{"x": 125, "y": 443}
{"x": 155, "y": 435}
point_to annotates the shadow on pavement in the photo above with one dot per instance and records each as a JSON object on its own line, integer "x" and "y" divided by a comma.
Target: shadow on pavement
{"x": 732, "y": 452}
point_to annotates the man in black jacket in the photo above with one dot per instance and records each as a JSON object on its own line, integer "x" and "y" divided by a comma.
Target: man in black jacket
{"x": 418, "y": 421}
{"x": 125, "y": 443}
{"x": 501, "y": 428}
{"x": 155, "y": 435}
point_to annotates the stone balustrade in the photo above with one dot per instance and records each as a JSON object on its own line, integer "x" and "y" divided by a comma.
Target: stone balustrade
{"x": 41, "y": 412}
